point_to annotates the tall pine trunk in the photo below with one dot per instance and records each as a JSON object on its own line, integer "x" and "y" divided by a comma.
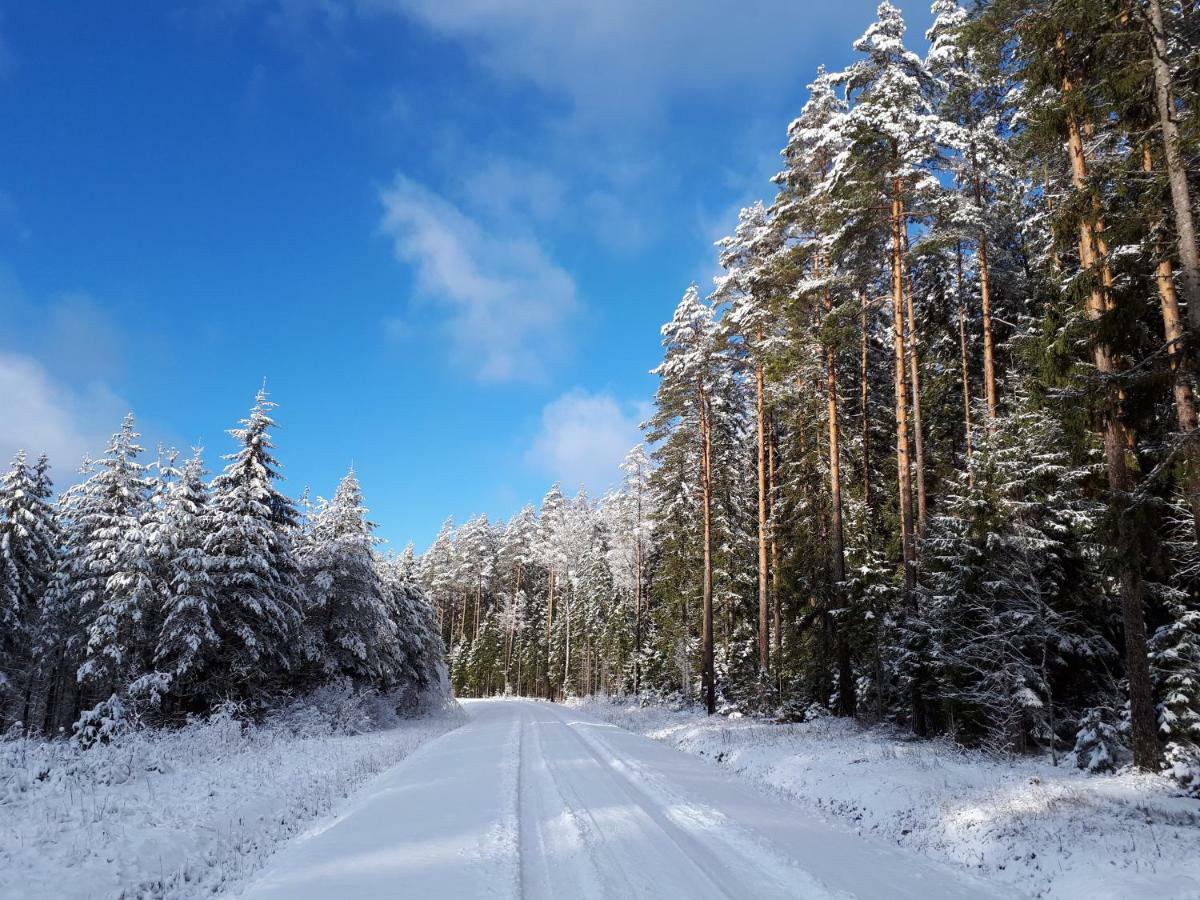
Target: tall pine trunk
{"x": 1177, "y": 177}
{"x": 550, "y": 638}
{"x": 776, "y": 611}
{"x": 864, "y": 410}
{"x": 846, "y": 697}
{"x": 763, "y": 592}
{"x": 914, "y": 372}
{"x": 962, "y": 352}
{"x": 1137, "y": 667}
{"x": 985, "y": 300}
{"x": 706, "y": 628}
{"x": 903, "y": 466}
{"x": 1185, "y": 399}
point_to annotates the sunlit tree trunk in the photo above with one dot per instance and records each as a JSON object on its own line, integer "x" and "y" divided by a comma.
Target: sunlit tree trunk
{"x": 1185, "y": 399}
{"x": 763, "y": 592}
{"x": 1137, "y": 668}
{"x": 1177, "y": 177}
{"x": 914, "y": 372}
{"x": 846, "y": 698}
{"x": 864, "y": 410}
{"x": 706, "y": 632}
{"x": 777, "y": 612}
{"x": 962, "y": 352}
{"x": 903, "y": 466}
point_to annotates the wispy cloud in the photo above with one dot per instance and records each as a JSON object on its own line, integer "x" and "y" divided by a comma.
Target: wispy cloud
{"x": 582, "y": 439}
{"x": 42, "y": 415}
{"x": 506, "y": 303}
{"x": 624, "y": 59}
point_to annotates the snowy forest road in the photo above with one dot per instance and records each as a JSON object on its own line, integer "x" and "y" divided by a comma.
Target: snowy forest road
{"x": 534, "y": 800}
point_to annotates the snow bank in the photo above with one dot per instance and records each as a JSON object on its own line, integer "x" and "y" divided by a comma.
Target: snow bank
{"x": 1053, "y": 831}
{"x": 180, "y": 813}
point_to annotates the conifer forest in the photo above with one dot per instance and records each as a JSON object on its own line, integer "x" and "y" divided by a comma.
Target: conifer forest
{"x": 874, "y": 574}
{"x": 925, "y": 452}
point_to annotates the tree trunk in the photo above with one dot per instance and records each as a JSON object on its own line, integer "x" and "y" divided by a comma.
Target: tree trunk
{"x": 966, "y": 371}
{"x": 1181, "y": 201}
{"x": 903, "y": 467}
{"x": 706, "y": 632}
{"x": 864, "y": 410}
{"x": 1185, "y": 399}
{"x": 637, "y": 599}
{"x": 764, "y": 636}
{"x": 985, "y": 297}
{"x": 914, "y": 368}
{"x": 777, "y": 621}
{"x": 550, "y": 638}
{"x": 846, "y": 698}
{"x": 1137, "y": 668}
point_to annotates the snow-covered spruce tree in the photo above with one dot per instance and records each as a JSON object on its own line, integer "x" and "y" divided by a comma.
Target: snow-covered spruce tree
{"x": 1010, "y": 589}
{"x": 348, "y": 632}
{"x": 421, "y": 680}
{"x": 188, "y": 643}
{"x": 116, "y": 594}
{"x": 28, "y": 548}
{"x": 249, "y": 535}
{"x": 1175, "y": 652}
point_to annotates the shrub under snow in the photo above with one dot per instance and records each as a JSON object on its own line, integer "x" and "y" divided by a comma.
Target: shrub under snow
{"x": 186, "y": 812}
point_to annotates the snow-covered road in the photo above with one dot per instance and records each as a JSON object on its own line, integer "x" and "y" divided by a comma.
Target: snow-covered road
{"x": 539, "y": 801}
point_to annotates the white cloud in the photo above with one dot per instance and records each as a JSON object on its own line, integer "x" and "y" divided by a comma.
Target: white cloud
{"x": 506, "y": 188}
{"x": 41, "y": 416}
{"x": 582, "y": 440}
{"x": 506, "y": 302}
{"x": 625, "y": 58}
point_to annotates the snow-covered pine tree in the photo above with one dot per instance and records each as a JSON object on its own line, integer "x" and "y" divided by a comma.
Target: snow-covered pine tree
{"x": 890, "y": 131}
{"x": 249, "y": 545}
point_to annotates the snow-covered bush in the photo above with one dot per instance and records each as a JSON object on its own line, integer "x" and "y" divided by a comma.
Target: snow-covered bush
{"x": 1098, "y": 743}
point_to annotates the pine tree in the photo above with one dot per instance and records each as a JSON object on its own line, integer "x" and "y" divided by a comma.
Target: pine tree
{"x": 691, "y": 383}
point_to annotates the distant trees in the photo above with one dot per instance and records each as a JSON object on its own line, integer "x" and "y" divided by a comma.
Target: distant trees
{"x": 149, "y": 592}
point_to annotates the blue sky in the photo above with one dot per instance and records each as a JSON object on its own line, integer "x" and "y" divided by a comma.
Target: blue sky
{"x": 446, "y": 233}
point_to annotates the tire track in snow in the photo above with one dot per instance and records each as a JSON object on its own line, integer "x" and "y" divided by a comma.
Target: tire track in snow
{"x": 703, "y": 857}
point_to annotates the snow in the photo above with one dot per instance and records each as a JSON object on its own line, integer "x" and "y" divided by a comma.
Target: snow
{"x": 536, "y": 800}
{"x": 1055, "y": 832}
{"x": 182, "y": 813}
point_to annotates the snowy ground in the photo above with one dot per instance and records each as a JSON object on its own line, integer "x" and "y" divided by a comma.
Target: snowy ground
{"x": 1052, "y": 832}
{"x": 535, "y": 800}
{"x": 175, "y": 813}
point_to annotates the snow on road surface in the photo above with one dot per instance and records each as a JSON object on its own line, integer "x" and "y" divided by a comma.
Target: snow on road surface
{"x": 534, "y": 800}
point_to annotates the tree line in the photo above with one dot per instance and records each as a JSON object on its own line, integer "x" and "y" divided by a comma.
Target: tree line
{"x": 146, "y": 593}
{"x": 927, "y": 452}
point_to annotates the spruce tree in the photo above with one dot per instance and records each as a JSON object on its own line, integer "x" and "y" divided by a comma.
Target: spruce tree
{"x": 249, "y": 533}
